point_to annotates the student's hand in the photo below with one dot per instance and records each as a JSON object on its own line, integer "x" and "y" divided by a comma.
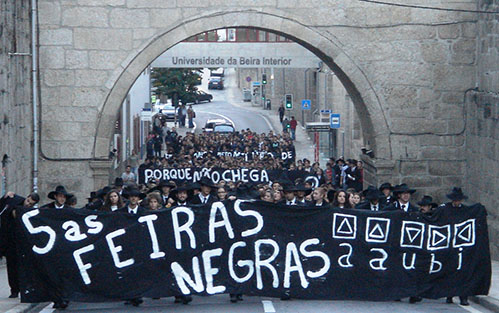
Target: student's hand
{"x": 10, "y": 194}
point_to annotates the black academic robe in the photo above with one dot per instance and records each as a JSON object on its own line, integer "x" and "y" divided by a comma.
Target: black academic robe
{"x": 355, "y": 181}
{"x": 366, "y": 205}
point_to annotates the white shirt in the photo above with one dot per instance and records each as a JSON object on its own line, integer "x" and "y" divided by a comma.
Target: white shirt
{"x": 292, "y": 202}
{"x": 132, "y": 211}
{"x": 404, "y": 207}
{"x": 374, "y": 207}
{"x": 58, "y": 207}
{"x": 114, "y": 208}
{"x": 203, "y": 198}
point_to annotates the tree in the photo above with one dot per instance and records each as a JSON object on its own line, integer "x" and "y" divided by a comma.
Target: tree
{"x": 175, "y": 83}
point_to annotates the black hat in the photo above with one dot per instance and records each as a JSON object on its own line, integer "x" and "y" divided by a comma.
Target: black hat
{"x": 402, "y": 188}
{"x": 163, "y": 183}
{"x": 133, "y": 192}
{"x": 183, "y": 187}
{"x": 101, "y": 193}
{"x": 385, "y": 186}
{"x": 373, "y": 194}
{"x": 118, "y": 182}
{"x": 93, "y": 195}
{"x": 301, "y": 187}
{"x": 427, "y": 200}
{"x": 61, "y": 190}
{"x": 206, "y": 182}
{"x": 456, "y": 194}
{"x": 245, "y": 192}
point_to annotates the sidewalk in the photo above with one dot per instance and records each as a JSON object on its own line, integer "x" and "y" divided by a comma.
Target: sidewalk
{"x": 491, "y": 301}
{"x": 10, "y": 305}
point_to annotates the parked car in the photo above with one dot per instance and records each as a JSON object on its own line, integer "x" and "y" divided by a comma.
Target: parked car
{"x": 196, "y": 97}
{"x": 168, "y": 111}
{"x": 211, "y": 123}
{"x": 216, "y": 83}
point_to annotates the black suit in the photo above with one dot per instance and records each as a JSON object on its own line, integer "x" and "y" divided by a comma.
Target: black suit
{"x": 140, "y": 210}
{"x": 304, "y": 203}
{"x": 411, "y": 208}
{"x": 388, "y": 200}
{"x": 197, "y": 200}
{"x": 8, "y": 246}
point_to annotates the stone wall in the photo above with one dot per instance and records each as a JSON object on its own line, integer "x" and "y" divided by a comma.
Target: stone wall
{"x": 482, "y": 123}
{"x": 406, "y": 71}
{"x": 16, "y": 117}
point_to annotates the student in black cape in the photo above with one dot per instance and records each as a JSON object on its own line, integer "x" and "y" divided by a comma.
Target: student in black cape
{"x": 8, "y": 248}
{"x": 386, "y": 189}
{"x": 319, "y": 197}
{"x": 164, "y": 187}
{"x": 182, "y": 195}
{"x": 373, "y": 201}
{"x": 301, "y": 192}
{"x": 457, "y": 198}
{"x": 426, "y": 205}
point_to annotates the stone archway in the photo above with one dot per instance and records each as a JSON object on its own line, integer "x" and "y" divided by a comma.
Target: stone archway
{"x": 364, "y": 98}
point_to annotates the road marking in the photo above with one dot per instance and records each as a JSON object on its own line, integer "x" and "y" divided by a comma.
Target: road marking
{"x": 268, "y": 307}
{"x": 221, "y": 115}
{"x": 470, "y": 309}
{"x": 47, "y": 309}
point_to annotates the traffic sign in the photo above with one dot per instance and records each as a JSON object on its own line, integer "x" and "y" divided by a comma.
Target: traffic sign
{"x": 306, "y": 104}
{"x": 248, "y": 79}
{"x": 334, "y": 120}
{"x": 255, "y": 84}
{"x": 326, "y": 111}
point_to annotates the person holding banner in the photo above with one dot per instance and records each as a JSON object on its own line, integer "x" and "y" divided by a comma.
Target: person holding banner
{"x": 205, "y": 196}
{"x": 373, "y": 200}
{"x": 181, "y": 194}
{"x": 59, "y": 195}
{"x": 8, "y": 247}
{"x": 403, "y": 194}
{"x": 426, "y": 205}
{"x": 457, "y": 197}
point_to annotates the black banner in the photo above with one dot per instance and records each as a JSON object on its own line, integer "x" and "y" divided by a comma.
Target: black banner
{"x": 245, "y": 175}
{"x": 253, "y": 248}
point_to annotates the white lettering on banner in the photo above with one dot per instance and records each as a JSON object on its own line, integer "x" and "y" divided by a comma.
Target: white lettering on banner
{"x": 157, "y": 174}
{"x": 377, "y": 229}
{"x": 460, "y": 262}
{"x": 412, "y": 234}
{"x": 177, "y": 229}
{"x": 188, "y": 175}
{"x": 183, "y": 277}
{"x": 197, "y": 176}
{"x": 156, "y": 254}
{"x": 380, "y": 261}
{"x": 82, "y": 266}
{"x": 240, "y": 263}
{"x": 215, "y": 207}
{"x": 464, "y": 234}
{"x": 435, "y": 262}
{"x": 344, "y": 261}
{"x": 147, "y": 175}
{"x": 37, "y": 230}
{"x": 438, "y": 237}
{"x": 73, "y": 231}
{"x": 413, "y": 261}
{"x": 215, "y": 177}
{"x": 313, "y": 254}
{"x": 209, "y": 271}
{"x": 255, "y": 214}
{"x": 94, "y": 227}
{"x": 259, "y": 263}
{"x": 292, "y": 255}
{"x": 116, "y": 249}
{"x": 344, "y": 226}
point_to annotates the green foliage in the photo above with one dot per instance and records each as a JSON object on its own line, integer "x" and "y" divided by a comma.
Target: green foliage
{"x": 175, "y": 83}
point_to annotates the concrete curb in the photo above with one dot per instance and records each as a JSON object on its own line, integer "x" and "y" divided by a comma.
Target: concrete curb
{"x": 487, "y": 302}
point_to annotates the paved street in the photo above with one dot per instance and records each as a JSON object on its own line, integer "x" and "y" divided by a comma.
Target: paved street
{"x": 220, "y": 303}
{"x": 223, "y": 106}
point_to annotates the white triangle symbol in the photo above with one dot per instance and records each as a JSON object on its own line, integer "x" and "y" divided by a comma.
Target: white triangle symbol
{"x": 377, "y": 232}
{"x": 466, "y": 237}
{"x": 441, "y": 237}
{"x": 412, "y": 233}
{"x": 345, "y": 224}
